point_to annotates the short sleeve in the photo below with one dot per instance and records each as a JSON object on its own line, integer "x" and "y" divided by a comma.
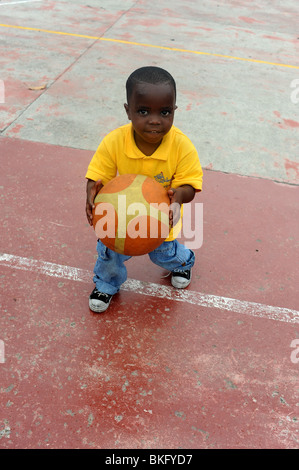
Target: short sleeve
{"x": 188, "y": 170}
{"x": 102, "y": 165}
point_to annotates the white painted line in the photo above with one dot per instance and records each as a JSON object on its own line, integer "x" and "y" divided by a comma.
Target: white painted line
{"x": 21, "y": 1}
{"x": 155, "y": 290}
{"x": 44, "y": 267}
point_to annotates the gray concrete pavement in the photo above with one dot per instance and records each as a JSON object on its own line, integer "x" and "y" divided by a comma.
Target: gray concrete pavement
{"x": 239, "y": 113}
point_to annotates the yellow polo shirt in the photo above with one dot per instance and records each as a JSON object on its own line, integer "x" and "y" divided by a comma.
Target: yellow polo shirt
{"x": 174, "y": 163}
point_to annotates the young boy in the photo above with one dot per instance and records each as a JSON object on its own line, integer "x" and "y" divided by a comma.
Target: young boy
{"x": 150, "y": 145}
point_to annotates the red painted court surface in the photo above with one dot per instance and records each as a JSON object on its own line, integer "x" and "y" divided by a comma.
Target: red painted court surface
{"x": 215, "y": 366}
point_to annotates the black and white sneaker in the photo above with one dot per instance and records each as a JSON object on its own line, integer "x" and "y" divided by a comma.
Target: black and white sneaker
{"x": 99, "y": 301}
{"x": 181, "y": 279}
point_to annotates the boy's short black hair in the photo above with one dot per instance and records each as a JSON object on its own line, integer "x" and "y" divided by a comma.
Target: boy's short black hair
{"x": 149, "y": 74}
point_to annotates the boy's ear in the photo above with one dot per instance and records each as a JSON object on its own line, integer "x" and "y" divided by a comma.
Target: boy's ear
{"x": 127, "y": 110}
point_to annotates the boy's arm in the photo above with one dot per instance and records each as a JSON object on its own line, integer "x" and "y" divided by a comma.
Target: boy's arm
{"x": 92, "y": 189}
{"x": 179, "y": 196}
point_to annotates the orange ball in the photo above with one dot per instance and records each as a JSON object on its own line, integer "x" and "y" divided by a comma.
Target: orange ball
{"x": 131, "y": 214}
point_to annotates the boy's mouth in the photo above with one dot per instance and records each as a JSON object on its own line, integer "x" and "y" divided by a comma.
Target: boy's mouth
{"x": 154, "y": 135}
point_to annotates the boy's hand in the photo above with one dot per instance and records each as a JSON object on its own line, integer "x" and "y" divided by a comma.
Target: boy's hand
{"x": 175, "y": 206}
{"x": 178, "y": 196}
{"x": 92, "y": 189}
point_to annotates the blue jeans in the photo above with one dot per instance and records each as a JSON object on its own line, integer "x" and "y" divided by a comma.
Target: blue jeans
{"x": 110, "y": 271}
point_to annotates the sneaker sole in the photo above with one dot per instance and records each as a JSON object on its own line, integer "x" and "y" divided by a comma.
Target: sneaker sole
{"x": 99, "y": 308}
{"x": 180, "y": 284}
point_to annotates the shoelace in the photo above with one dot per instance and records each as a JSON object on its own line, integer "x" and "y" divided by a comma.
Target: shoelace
{"x": 168, "y": 274}
{"x": 101, "y": 293}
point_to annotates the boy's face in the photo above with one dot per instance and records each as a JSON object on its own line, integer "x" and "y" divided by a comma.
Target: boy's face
{"x": 151, "y": 110}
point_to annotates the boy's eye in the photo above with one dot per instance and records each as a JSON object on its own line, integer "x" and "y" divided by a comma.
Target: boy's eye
{"x": 145, "y": 112}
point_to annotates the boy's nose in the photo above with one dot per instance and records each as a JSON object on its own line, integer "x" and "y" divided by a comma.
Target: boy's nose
{"x": 155, "y": 119}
